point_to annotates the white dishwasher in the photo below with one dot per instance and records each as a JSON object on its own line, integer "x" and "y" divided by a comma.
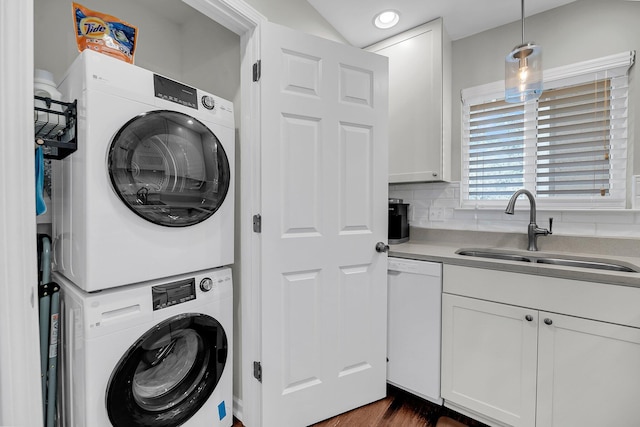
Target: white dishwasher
{"x": 414, "y": 320}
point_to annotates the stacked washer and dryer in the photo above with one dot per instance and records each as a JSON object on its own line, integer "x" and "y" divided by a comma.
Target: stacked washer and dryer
{"x": 143, "y": 217}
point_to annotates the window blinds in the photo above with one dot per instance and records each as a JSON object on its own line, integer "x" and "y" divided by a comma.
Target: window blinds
{"x": 495, "y": 167}
{"x": 568, "y": 147}
{"x": 576, "y": 138}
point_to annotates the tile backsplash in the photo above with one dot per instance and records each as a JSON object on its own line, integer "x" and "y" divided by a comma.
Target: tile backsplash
{"x": 437, "y": 205}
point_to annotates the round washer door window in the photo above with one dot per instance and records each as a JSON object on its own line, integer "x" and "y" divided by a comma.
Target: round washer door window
{"x": 166, "y": 376}
{"x": 169, "y": 168}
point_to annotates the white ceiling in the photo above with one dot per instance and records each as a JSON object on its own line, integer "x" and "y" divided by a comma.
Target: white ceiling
{"x": 354, "y": 18}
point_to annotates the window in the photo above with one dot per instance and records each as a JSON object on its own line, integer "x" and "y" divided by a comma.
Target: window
{"x": 569, "y": 148}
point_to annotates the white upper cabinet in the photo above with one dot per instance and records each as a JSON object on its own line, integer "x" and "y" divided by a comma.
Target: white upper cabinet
{"x": 419, "y": 103}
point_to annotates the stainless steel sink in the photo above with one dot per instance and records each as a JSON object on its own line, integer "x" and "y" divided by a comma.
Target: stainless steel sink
{"x": 568, "y": 261}
{"x": 584, "y": 263}
{"x": 495, "y": 255}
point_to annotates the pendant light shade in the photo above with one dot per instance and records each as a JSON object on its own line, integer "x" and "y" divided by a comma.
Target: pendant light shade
{"x": 523, "y": 71}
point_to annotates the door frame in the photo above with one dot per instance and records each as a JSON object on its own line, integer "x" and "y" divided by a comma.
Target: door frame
{"x": 242, "y": 19}
{"x": 18, "y": 293}
{"x": 19, "y": 329}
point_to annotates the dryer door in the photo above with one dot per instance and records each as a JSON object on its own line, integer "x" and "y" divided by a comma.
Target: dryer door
{"x": 166, "y": 376}
{"x": 169, "y": 168}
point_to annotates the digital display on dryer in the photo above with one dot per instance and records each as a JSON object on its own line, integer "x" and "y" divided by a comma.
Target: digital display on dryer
{"x": 170, "y": 90}
{"x": 170, "y": 294}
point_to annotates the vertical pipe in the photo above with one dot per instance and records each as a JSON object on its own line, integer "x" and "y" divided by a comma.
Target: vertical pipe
{"x": 53, "y": 358}
{"x": 45, "y": 303}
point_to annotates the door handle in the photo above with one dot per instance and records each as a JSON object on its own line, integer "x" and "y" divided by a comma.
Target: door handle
{"x": 382, "y": 247}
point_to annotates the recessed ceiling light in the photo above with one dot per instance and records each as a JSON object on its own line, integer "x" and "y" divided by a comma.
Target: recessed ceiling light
{"x": 386, "y": 19}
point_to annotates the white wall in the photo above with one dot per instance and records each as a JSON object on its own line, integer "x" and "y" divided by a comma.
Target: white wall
{"x": 579, "y": 31}
{"x": 190, "y": 47}
{"x": 299, "y": 15}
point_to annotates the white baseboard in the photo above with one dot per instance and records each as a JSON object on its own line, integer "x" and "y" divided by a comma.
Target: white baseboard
{"x": 237, "y": 408}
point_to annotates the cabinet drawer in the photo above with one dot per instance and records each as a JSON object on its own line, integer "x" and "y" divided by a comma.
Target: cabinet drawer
{"x": 598, "y": 301}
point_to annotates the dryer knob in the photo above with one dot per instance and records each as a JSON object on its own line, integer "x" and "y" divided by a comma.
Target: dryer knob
{"x": 208, "y": 102}
{"x": 206, "y": 284}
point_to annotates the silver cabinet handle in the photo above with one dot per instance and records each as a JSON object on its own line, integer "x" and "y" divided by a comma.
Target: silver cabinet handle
{"x": 548, "y": 321}
{"x": 382, "y": 247}
{"x": 528, "y": 317}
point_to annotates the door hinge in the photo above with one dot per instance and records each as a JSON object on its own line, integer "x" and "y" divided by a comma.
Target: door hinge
{"x": 257, "y": 70}
{"x": 257, "y": 371}
{"x": 257, "y": 223}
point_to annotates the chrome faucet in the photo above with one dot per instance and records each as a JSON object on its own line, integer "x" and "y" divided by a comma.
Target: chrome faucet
{"x": 533, "y": 231}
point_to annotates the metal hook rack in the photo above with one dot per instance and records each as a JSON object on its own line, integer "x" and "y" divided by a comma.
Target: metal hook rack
{"x": 55, "y": 127}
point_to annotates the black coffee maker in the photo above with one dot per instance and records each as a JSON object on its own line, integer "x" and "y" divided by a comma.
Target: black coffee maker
{"x": 398, "y": 221}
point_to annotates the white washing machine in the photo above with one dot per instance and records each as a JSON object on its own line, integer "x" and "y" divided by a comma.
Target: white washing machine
{"x": 154, "y": 354}
{"x": 149, "y": 193}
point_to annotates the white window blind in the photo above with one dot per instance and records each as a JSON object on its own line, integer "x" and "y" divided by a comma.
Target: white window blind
{"x": 569, "y": 148}
{"x": 576, "y": 126}
{"x": 496, "y": 150}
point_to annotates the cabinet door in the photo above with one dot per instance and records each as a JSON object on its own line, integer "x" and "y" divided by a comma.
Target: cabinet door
{"x": 419, "y": 103}
{"x": 589, "y": 373}
{"x": 489, "y": 359}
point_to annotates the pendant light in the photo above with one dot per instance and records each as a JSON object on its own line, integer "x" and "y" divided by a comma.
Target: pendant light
{"x": 523, "y": 71}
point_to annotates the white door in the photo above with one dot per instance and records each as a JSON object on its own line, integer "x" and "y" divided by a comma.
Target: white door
{"x": 324, "y": 206}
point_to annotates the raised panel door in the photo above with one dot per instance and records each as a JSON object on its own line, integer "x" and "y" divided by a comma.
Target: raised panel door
{"x": 324, "y": 197}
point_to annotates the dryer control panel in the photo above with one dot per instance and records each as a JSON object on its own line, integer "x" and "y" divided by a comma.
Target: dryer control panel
{"x": 170, "y": 294}
{"x": 173, "y": 91}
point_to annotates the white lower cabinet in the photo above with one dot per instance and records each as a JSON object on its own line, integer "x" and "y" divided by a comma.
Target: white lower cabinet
{"x": 514, "y": 366}
{"x": 489, "y": 359}
{"x": 588, "y": 373}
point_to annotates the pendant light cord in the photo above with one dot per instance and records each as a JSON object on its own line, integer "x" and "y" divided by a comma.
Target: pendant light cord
{"x": 522, "y": 15}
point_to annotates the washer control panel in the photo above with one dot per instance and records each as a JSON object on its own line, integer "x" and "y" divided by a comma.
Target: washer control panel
{"x": 170, "y": 294}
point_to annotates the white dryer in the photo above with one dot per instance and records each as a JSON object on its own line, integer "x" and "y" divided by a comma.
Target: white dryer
{"x": 150, "y": 191}
{"x": 155, "y": 354}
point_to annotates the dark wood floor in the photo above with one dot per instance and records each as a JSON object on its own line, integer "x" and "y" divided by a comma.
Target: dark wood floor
{"x": 398, "y": 409}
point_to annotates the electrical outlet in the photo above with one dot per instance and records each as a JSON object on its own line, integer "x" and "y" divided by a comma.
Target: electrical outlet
{"x": 436, "y": 213}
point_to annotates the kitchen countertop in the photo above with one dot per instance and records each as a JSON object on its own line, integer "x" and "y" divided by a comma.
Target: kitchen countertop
{"x": 441, "y": 245}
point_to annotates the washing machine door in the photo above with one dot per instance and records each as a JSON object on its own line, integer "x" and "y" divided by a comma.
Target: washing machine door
{"x": 166, "y": 376}
{"x": 169, "y": 168}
